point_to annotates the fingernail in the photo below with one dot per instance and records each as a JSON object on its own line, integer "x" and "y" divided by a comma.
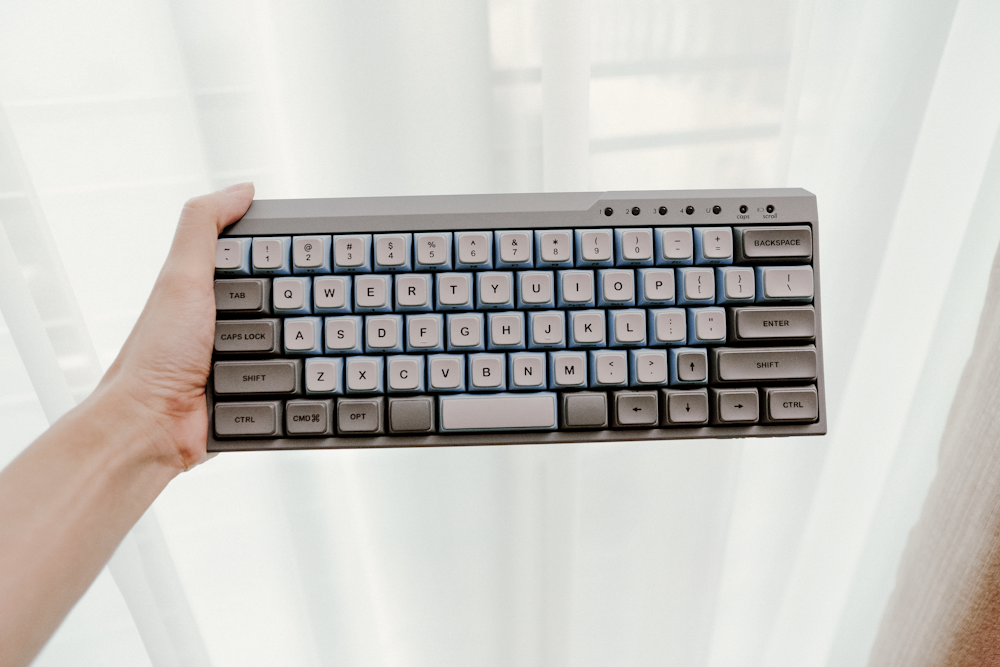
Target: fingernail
{"x": 238, "y": 186}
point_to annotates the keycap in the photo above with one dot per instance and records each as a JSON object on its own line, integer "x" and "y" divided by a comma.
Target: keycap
{"x": 247, "y": 335}
{"x": 546, "y": 329}
{"x": 331, "y": 294}
{"x": 656, "y": 287}
{"x": 414, "y": 414}
{"x": 446, "y": 372}
{"x": 270, "y": 255}
{"x": 309, "y": 417}
{"x": 454, "y": 291}
{"x": 506, "y": 331}
{"x": 303, "y": 335}
{"x": 688, "y": 365}
{"x": 373, "y": 294}
{"x": 425, "y": 333}
{"x": 567, "y": 369}
{"x": 232, "y": 256}
{"x": 383, "y": 334}
{"x": 674, "y": 246}
{"x": 775, "y": 323}
{"x": 343, "y": 335}
{"x": 768, "y": 363}
{"x": 628, "y": 327}
{"x": 735, "y": 284}
{"x": 465, "y": 332}
{"x": 277, "y": 376}
{"x": 594, "y": 247}
{"x": 526, "y": 370}
{"x": 635, "y": 409}
{"x": 360, "y": 416}
{"x": 414, "y": 292}
{"x": 292, "y": 296}
{"x": 495, "y": 290}
{"x": 784, "y": 242}
{"x": 647, "y": 367}
{"x": 697, "y": 286}
{"x": 587, "y": 328}
{"x": 706, "y": 326}
{"x": 392, "y": 252}
{"x": 554, "y": 248}
{"x": 244, "y": 296}
{"x": 713, "y": 245}
{"x": 634, "y": 246}
{"x": 616, "y": 287}
{"x": 791, "y": 404}
{"x": 364, "y": 375}
{"x": 608, "y": 368}
{"x": 498, "y": 412}
{"x": 406, "y": 373}
{"x": 257, "y": 419}
{"x": 736, "y": 406}
{"x": 576, "y": 289}
{"x": 536, "y": 289}
{"x": 487, "y": 372}
{"x": 311, "y": 254}
{"x": 432, "y": 252}
{"x": 584, "y": 409}
{"x": 668, "y": 326}
{"x": 474, "y": 250}
{"x": 514, "y": 249}
{"x": 352, "y": 253}
{"x": 784, "y": 283}
{"x": 325, "y": 375}
{"x": 685, "y": 407}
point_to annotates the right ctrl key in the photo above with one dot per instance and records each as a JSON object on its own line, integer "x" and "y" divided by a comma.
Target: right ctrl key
{"x": 791, "y": 404}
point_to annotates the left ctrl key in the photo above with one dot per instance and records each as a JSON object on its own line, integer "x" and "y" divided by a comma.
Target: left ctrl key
{"x": 258, "y": 419}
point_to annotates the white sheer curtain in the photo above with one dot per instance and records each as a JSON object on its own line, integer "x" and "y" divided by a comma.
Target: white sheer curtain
{"x": 770, "y": 552}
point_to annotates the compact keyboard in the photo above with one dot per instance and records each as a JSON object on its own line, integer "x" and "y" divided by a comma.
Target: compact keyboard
{"x": 519, "y": 318}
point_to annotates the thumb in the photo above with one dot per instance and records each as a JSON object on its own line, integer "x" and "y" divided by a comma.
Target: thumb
{"x": 202, "y": 219}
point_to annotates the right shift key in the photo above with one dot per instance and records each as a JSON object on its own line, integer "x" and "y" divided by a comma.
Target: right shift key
{"x": 750, "y": 364}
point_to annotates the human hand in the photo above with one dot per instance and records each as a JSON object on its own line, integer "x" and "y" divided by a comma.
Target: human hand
{"x": 160, "y": 373}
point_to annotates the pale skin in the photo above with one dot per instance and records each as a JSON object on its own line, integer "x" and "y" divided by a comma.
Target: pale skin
{"x": 68, "y": 500}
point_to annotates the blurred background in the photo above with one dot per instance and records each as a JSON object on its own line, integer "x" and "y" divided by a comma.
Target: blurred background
{"x": 762, "y": 553}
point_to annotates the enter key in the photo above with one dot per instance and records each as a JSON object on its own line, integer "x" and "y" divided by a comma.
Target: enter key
{"x": 763, "y": 363}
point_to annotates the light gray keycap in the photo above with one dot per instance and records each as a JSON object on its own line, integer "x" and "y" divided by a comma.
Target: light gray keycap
{"x": 498, "y": 412}
{"x": 243, "y": 295}
{"x": 596, "y": 245}
{"x": 685, "y": 407}
{"x": 248, "y": 419}
{"x": 775, "y": 323}
{"x": 768, "y": 363}
{"x": 289, "y": 293}
{"x": 274, "y": 376}
{"x": 584, "y": 409}
{"x": 360, "y": 416}
{"x": 734, "y": 406}
{"x": 229, "y": 254}
{"x": 635, "y": 409}
{"x": 775, "y": 242}
{"x": 309, "y": 417}
{"x": 413, "y": 414}
{"x": 247, "y": 335}
{"x": 798, "y": 404}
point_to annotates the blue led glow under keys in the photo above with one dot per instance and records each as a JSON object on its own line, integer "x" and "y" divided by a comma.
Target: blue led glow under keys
{"x": 332, "y": 294}
{"x": 425, "y": 332}
{"x": 656, "y": 287}
{"x": 383, "y": 334}
{"x": 446, "y": 372}
{"x": 713, "y": 245}
{"x": 568, "y": 369}
{"x": 667, "y": 326}
{"x": 608, "y": 368}
{"x": 494, "y": 290}
{"x": 526, "y": 371}
{"x": 575, "y": 289}
{"x": 505, "y": 330}
{"x": 674, "y": 246}
{"x": 647, "y": 368}
{"x": 688, "y": 366}
{"x": 364, "y": 375}
{"x": 536, "y": 289}
{"x": 405, "y": 373}
{"x": 706, "y": 326}
{"x": 487, "y": 372}
{"x": 734, "y": 285}
{"x": 292, "y": 296}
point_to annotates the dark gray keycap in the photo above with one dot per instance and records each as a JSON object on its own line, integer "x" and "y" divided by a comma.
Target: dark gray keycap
{"x": 584, "y": 409}
{"x": 413, "y": 414}
{"x": 258, "y": 419}
{"x": 735, "y": 406}
{"x": 309, "y": 417}
{"x": 784, "y": 242}
{"x": 685, "y": 407}
{"x": 243, "y": 295}
{"x": 792, "y": 404}
{"x": 360, "y": 416}
{"x": 692, "y": 366}
{"x": 248, "y": 335}
{"x": 274, "y": 376}
{"x": 764, "y": 363}
{"x": 635, "y": 409}
{"x": 797, "y": 322}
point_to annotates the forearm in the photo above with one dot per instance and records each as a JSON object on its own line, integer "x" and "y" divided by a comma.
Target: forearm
{"x": 65, "y": 504}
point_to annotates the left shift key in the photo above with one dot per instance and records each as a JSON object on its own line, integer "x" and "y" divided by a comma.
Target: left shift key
{"x": 274, "y": 376}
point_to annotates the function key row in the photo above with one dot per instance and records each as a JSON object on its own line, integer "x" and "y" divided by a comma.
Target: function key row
{"x": 512, "y": 249}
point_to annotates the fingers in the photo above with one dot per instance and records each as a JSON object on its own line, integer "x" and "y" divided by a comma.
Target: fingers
{"x": 202, "y": 219}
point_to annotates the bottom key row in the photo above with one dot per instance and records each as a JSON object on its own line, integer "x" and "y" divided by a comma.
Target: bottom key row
{"x": 541, "y": 411}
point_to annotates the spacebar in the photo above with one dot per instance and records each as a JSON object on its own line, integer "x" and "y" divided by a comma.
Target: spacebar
{"x": 498, "y": 412}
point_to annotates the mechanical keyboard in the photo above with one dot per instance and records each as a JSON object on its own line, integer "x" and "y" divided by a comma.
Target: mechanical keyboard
{"x": 517, "y": 318}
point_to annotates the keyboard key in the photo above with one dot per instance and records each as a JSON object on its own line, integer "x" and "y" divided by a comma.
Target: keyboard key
{"x": 688, "y": 365}
{"x": 259, "y": 419}
{"x": 331, "y": 294}
{"x": 576, "y": 289}
{"x": 514, "y": 250}
{"x": 432, "y": 252}
{"x": 309, "y": 417}
{"x": 628, "y": 327}
{"x": 616, "y": 287}
{"x": 273, "y": 376}
{"x": 656, "y": 287}
{"x": 608, "y": 368}
{"x": 414, "y": 293}
{"x": 474, "y": 250}
{"x": 792, "y": 404}
{"x": 554, "y": 248}
{"x": 292, "y": 296}
{"x": 360, "y": 416}
{"x": 259, "y": 336}
{"x": 674, "y": 246}
{"x": 232, "y": 256}
{"x": 392, "y": 252}
{"x": 352, "y": 253}
{"x": 736, "y": 406}
{"x": 487, "y": 372}
{"x": 454, "y": 291}
{"x": 587, "y": 328}
{"x": 594, "y": 248}
{"x": 343, "y": 335}
{"x": 414, "y": 414}
{"x": 668, "y": 326}
{"x": 685, "y": 407}
{"x": 775, "y": 323}
{"x": 498, "y": 412}
{"x": 506, "y": 331}
{"x": 647, "y": 367}
{"x": 406, "y": 373}
{"x": 495, "y": 290}
{"x": 697, "y": 287}
{"x": 425, "y": 333}
{"x": 383, "y": 334}
{"x": 784, "y": 283}
{"x": 303, "y": 335}
{"x": 465, "y": 332}
{"x": 547, "y": 329}
{"x": 446, "y": 372}
{"x": 635, "y": 409}
{"x": 734, "y": 285}
{"x": 713, "y": 245}
{"x": 634, "y": 246}
{"x": 373, "y": 294}
{"x": 325, "y": 375}
{"x": 786, "y": 242}
{"x": 706, "y": 326}
{"x": 567, "y": 370}
{"x": 536, "y": 289}
{"x": 270, "y": 255}
{"x": 764, "y": 363}
{"x": 364, "y": 374}
{"x": 247, "y": 296}
{"x": 526, "y": 370}
{"x": 584, "y": 409}
{"x": 311, "y": 254}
